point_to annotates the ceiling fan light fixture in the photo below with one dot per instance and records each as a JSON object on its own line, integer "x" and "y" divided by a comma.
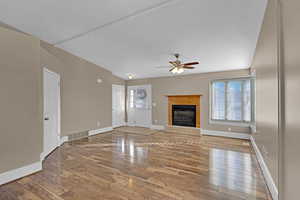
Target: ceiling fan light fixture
{"x": 177, "y": 70}
{"x": 178, "y": 67}
{"x": 174, "y": 70}
{"x": 130, "y": 76}
{"x": 180, "y": 70}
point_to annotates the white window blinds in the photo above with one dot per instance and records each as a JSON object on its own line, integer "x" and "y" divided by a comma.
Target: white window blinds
{"x": 231, "y": 100}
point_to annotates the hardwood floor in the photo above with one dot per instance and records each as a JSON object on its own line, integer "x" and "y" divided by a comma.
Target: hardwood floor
{"x": 125, "y": 164}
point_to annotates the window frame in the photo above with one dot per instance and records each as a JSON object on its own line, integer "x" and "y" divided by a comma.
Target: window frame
{"x": 241, "y": 123}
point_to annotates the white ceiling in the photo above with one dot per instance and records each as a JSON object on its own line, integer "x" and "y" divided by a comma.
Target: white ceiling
{"x": 137, "y": 36}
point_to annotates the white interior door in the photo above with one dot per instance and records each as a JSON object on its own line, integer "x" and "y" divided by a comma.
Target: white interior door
{"x": 118, "y": 105}
{"x": 51, "y": 111}
{"x": 139, "y": 105}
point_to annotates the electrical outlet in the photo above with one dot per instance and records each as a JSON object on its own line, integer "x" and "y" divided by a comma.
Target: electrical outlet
{"x": 98, "y": 124}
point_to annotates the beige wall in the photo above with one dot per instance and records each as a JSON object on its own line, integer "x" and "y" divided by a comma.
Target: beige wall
{"x": 266, "y": 66}
{"x": 188, "y": 84}
{"x": 21, "y": 100}
{"x": 291, "y": 66}
{"x": 84, "y": 102}
{"x": 282, "y": 149}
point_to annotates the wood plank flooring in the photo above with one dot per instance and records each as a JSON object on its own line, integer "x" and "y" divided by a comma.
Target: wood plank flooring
{"x": 158, "y": 165}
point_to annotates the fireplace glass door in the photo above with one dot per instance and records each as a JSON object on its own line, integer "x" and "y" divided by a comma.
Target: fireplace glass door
{"x": 184, "y": 115}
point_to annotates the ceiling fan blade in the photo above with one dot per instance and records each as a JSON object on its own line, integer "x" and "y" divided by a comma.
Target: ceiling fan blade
{"x": 173, "y": 63}
{"x": 172, "y": 69}
{"x": 192, "y": 63}
{"x": 188, "y": 67}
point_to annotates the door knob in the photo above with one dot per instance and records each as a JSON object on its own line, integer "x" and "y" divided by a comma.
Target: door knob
{"x": 46, "y": 118}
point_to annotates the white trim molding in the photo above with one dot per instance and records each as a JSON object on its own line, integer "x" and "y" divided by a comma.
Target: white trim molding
{"x": 98, "y": 131}
{"x": 130, "y": 124}
{"x": 265, "y": 170}
{"x": 15, "y": 174}
{"x": 137, "y": 125}
{"x": 42, "y": 156}
{"x": 123, "y": 124}
{"x": 235, "y": 135}
{"x": 157, "y": 127}
{"x": 63, "y": 140}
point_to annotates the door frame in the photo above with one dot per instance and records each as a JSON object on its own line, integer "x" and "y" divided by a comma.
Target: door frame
{"x": 124, "y": 121}
{"x": 46, "y": 70}
{"x": 150, "y": 105}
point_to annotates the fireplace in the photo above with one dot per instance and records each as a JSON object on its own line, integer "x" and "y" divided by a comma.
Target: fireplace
{"x": 184, "y": 115}
{"x": 184, "y": 110}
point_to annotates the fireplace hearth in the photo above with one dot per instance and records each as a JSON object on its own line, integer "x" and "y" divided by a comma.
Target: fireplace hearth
{"x": 184, "y": 115}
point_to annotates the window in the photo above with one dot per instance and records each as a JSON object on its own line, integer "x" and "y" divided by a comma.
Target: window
{"x": 231, "y": 100}
{"x": 131, "y": 98}
{"x": 138, "y": 98}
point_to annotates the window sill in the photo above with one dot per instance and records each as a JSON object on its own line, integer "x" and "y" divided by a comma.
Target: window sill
{"x": 226, "y": 123}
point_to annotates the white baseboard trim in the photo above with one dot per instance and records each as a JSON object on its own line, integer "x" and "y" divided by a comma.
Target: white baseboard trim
{"x": 226, "y": 134}
{"x": 63, "y": 140}
{"x": 15, "y": 174}
{"x": 42, "y": 156}
{"x": 130, "y": 124}
{"x": 157, "y": 127}
{"x": 270, "y": 182}
{"x": 123, "y": 124}
{"x": 98, "y": 131}
{"x": 138, "y": 125}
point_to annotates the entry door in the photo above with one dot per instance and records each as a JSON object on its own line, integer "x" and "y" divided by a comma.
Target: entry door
{"x": 51, "y": 111}
{"x": 139, "y": 105}
{"x": 118, "y": 105}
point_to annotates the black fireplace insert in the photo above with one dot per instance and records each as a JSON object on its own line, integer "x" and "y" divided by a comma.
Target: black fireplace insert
{"x": 184, "y": 115}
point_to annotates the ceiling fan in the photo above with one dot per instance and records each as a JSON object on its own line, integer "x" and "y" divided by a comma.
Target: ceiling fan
{"x": 178, "y": 67}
